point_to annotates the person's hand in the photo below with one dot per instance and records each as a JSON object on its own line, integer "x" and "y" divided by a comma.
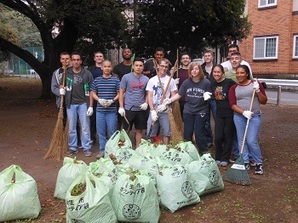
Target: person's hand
{"x": 248, "y": 114}
{"x": 161, "y": 108}
{"x": 256, "y": 86}
{"x": 102, "y": 101}
{"x": 177, "y": 81}
{"x": 154, "y": 116}
{"x": 207, "y": 95}
{"x": 121, "y": 111}
{"x": 167, "y": 101}
{"x": 108, "y": 103}
{"x": 90, "y": 111}
{"x": 144, "y": 106}
{"x": 62, "y": 91}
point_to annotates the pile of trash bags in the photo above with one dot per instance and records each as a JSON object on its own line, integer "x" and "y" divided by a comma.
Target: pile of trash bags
{"x": 131, "y": 185}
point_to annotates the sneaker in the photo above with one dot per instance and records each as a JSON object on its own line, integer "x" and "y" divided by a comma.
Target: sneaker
{"x": 232, "y": 159}
{"x": 217, "y": 162}
{"x": 247, "y": 166}
{"x": 92, "y": 142}
{"x": 223, "y": 163}
{"x": 157, "y": 139}
{"x": 80, "y": 146}
{"x": 99, "y": 155}
{"x": 252, "y": 163}
{"x": 259, "y": 169}
{"x": 71, "y": 152}
{"x": 88, "y": 152}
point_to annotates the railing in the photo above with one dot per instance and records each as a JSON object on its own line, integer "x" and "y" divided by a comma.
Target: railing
{"x": 279, "y": 83}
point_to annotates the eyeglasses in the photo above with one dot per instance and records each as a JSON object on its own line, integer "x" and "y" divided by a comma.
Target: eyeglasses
{"x": 164, "y": 66}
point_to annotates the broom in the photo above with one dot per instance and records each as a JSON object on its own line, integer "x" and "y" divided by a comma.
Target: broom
{"x": 176, "y": 105}
{"x": 237, "y": 173}
{"x": 58, "y": 145}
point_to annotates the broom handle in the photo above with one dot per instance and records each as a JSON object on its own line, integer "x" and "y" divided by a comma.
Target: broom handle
{"x": 63, "y": 84}
{"x": 247, "y": 122}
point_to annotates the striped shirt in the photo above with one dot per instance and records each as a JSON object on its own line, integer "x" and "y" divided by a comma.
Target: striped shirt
{"x": 106, "y": 88}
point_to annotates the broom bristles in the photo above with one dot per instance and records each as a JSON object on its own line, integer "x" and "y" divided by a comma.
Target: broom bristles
{"x": 175, "y": 132}
{"x": 58, "y": 146}
{"x": 177, "y": 115}
{"x": 237, "y": 173}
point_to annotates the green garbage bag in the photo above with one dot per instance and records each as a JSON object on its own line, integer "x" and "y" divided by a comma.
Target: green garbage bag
{"x": 135, "y": 198}
{"x": 174, "y": 188}
{"x": 18, "y": 195}
{"x": 145, "y": 148}
{"x": 205, "y": 175}
{"x": 87, "y": 201}
{"x": 105, "y": 170}
{"x": 117, "y": 140}
{"x": 70, "y": 170}
{"x": 190, "y": 148}
{"x": 146, "y": 163}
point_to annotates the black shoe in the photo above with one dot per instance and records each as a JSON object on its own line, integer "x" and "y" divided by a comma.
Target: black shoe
{"x": 71, "y": 152}
{"x": 247, "y": 166}
{"x": 259, "y": 169}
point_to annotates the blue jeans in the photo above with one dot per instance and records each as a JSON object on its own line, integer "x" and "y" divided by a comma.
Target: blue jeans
{"x": 75, "y": 111}
{"x": 196, "y": 123}
{"x": 106, "y": 121}
{"x": 251, "y": 145}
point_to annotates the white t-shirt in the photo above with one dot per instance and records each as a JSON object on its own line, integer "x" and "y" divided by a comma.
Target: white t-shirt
{"x": 228, "y": 65}
{"x": 154, "y": 86}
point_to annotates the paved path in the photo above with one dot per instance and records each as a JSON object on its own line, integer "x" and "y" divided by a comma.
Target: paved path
{"x": 287, "y": 97}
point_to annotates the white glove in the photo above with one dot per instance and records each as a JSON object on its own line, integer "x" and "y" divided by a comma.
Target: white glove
{"x": 256, "y": 86}
{"x": 154, "y": 116}
{"x": 167, "y": 101}
{"x": 177, "y": 81}
{"x": 108, "y": 103}
{"x": 248, "y": 114}
{"x": 62, "y": 91}
{"x": 90, "y": 111}
{"x": 121, "y": 111}
{"x": 102, "y": 102}
{"x": 161, "y": 108}
{"x": 144, "y": 106}
{"x": 207, "y": 95}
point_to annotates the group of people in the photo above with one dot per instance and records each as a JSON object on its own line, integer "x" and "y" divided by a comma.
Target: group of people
{"x": 141, "y": 93}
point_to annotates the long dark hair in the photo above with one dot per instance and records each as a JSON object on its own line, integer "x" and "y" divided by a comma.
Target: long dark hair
{"x": 246, "y": 70}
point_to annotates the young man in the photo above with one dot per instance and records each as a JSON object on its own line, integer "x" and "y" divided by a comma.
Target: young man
{"x": 125, "y": 66}
{"x": 227, "y": 65}
{"x": 132, "y": 99}
{"x": 77, "y": 100}
{"x": 183, "y": 75}
{"x": 155, "y": 95}
{"x": 150, "y": 65}
{"x": 96, "y": 71}
{"x": 235, "y": 61}
{"x": 105, "y": 90}
{"x": 207, "y": 67}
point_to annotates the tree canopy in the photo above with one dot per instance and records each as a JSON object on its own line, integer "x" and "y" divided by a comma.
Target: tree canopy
{"x": 83, "y": 25}
{"x": 189, "y": 24}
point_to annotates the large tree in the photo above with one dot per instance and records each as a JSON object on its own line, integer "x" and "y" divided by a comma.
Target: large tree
{"x": 83, "y": 24}
{"x": 189, "y": 24}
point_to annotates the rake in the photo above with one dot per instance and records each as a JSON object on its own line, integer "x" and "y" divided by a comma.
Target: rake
{"x": 237, "y": 173}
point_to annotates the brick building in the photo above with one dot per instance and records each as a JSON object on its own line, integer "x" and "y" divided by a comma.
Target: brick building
{"x": 272, "y": 46}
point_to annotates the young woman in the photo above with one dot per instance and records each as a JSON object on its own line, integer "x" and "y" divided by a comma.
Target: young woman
{"x": 196, "y": 90}
{"x": 224, "y": 124}
{"x": 240, "y": 96}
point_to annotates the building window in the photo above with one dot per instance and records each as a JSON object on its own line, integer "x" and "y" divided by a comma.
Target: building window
{"x": 267, "y": 3}
{"x": 265, "y": 47}
{"x": 295, "y": 46}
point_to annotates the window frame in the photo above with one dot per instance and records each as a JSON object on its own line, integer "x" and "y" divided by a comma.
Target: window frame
{"x": 295, "y": 46}
{"x": 266, "y": 4}
{"x": 264, "y": 55}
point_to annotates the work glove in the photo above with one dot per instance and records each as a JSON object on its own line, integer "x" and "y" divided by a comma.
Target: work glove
{"x": 256, "y": 86}
{"x": 154, "y": 116}
{"x": 177, "y": 81}
{"x": 108, "y": 103}
{"x": 248, "y": 114}
{"x": 144, "y": 106}
{"x": 62, "y": 91}
{"x": 161, "y": 108}
{"x": 102, "y": 102}
{"x": 167, "y": 101}
{"x": 90, "y": 111}
{"x": 121, "y": 111}
{"x": 207, "y": 95}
